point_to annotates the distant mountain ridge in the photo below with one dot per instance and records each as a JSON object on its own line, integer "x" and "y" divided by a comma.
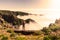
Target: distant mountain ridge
{"x": 7, "y": 12}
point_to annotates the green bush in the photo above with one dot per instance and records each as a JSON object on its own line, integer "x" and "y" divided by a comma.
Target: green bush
{"x": 47, "y": 38}
{"x": 10, "y": 31}
{"x": 46, "y": 30}
{"x": 4, "y": 38}
{"x": 20, "y": 38}
{"x": 50, "y": 37}
{"x": 37, "y": 33}
{"x": 12, "y": 35}
{"x": 54, "y": 27}
{"x": 1, "y": 35}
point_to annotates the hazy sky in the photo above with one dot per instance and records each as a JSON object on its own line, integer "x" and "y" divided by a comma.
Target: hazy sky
{"x": 29, "y": 5}
{"x": 23, "y": 4}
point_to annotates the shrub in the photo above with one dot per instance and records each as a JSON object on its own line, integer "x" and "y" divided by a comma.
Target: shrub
{"x": 47, "y": 38}
{"x": 37, "y": 33}
{"x": 46, "y": 30}
{"x": 10, "y": 31}
{"x": 50, "y": 37}
{"x": 1, "y": 35}
{"x": 12, "y": 35}
{"x": 4, "y": 38}
{"x": 20, "y": 38}
{"x": 54, "y": 27}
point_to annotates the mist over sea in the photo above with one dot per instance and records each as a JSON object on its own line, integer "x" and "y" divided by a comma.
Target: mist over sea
{"x": 40, "y": 22}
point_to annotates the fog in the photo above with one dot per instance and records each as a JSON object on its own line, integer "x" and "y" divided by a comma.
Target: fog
{"x": 40, "y": 22}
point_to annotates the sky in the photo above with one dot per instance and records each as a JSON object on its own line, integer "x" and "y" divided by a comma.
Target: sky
{"x": 19, "y": 5}
{"x": 23, "y": 5}
{"x": 35, "y": 6}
